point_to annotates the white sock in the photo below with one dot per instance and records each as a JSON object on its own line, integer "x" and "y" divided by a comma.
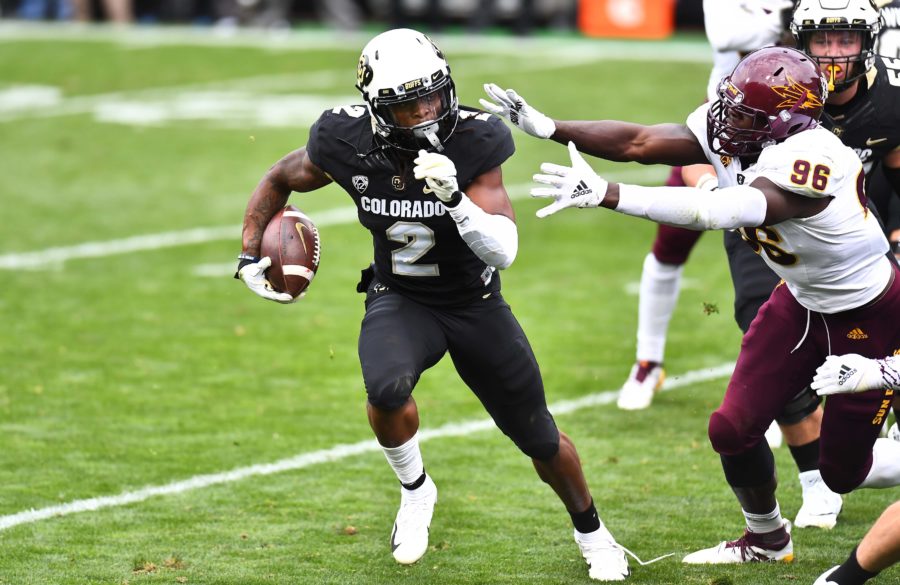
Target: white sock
{"x": 762, "y": 523}
{"x": 885, "y": 470}
{"x": 660, "y": 285}
{"x": 406, "y": 460}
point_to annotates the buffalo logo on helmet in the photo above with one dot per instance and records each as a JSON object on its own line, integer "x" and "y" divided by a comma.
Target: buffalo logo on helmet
{"x": 361, "y": 182}
{"x": 793, "y": 93}
{"x": 363, "y": 72}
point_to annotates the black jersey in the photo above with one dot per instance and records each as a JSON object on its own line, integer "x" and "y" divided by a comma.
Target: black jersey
{"x": 870, "y": 122}
{"x": 417, "y": 247}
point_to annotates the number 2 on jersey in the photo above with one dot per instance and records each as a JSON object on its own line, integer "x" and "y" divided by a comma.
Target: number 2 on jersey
{"x": 419, "y": 238}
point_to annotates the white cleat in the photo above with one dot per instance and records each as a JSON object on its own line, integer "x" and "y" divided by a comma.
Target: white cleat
{"x": 823, "y": 578}
{"x": 821, "y": 506}
{"x": 409, "y": 539}
{"x": 636, "y": 395}
{"x": 746, "y": 549}
{"x": 605, "y": 558}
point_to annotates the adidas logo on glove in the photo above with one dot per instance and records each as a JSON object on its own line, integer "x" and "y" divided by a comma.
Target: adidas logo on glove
{"x": 580, "y": 189}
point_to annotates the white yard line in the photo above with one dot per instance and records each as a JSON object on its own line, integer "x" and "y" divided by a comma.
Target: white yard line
{"x": 335, "y": 453}
{"x": 53, "y": 257}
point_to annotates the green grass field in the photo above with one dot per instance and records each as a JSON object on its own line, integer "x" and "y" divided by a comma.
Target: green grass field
{"x": 131, "y": 360}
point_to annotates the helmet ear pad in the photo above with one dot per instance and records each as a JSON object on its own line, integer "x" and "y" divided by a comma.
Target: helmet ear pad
{"x": 773, "y": 93}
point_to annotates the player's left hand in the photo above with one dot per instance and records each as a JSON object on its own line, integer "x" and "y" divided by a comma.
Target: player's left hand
{"x": 439, "y": 173}
{"x": 575, "y": 186}
{"x": 846, "y": 374}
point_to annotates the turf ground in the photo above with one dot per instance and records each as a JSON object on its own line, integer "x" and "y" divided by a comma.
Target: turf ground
{"x": 160, "y": 424}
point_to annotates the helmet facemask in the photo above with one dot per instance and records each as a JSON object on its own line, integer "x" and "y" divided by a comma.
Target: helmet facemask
{"x": 852, "y": 66}
{"x": 391, "y": 115}
{"x": 773, "y": 93}
{"x": 820, "y": 25}
{"x": 410, "y": 95}
{"x": 739, "y": 129}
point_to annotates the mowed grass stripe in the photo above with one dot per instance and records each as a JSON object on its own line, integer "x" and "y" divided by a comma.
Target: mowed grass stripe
{"x": 336, "y": 453}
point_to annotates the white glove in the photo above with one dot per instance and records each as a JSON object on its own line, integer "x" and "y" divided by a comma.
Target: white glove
{"x": 439, "y": 173}
{"x": 510, "y": 105}
{"x": 254, "y": 276}
{"x": 575, "y": 186}
{"x": 846, "y": 374}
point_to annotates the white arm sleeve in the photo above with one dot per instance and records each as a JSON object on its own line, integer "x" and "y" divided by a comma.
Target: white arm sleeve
{"x": 493, "y": 238}
{"x": 693, "y": 208}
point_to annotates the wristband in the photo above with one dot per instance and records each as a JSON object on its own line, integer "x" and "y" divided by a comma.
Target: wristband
{"x": 243, "y": 260}
{"x": 455, "y": 199}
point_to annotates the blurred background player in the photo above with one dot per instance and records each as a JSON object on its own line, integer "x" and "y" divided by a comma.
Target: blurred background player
{"x": 425, "y": 176}
{"x": 761, "y": 23}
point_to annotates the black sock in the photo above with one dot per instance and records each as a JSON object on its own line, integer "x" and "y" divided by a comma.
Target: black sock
{"x": 587, "y": 521}
{"x": 416, "y": 484}
{"x": 806, "y": 456}
{"x": 850, "y": 573}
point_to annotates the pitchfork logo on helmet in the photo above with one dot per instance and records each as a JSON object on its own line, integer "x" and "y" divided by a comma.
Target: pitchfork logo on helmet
{"x": 397, "y": 68}
{"x": 773, "y": 93}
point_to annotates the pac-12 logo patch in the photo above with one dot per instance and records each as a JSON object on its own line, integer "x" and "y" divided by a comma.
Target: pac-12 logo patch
{"x": 361, "y": 182}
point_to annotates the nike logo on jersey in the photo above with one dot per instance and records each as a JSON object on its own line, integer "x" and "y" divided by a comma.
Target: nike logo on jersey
{"x": 874, "y": 141}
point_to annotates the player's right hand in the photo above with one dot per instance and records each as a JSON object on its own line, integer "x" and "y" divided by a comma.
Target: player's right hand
{"x": 510, "y": 105}
{"x": 254, "y": 276}
{"x": 847, "y": 374}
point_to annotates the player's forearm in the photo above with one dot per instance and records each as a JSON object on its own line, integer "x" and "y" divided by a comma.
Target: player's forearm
{"x": 669, "y": 144}
{"x": 270, "y": 196}
{"x": 607, "y": 139}
{"x": 493, "y": 238}
{"x": 690, "y": 207}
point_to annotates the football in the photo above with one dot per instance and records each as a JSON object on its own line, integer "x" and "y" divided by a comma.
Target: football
{"x": 291, "y": 240}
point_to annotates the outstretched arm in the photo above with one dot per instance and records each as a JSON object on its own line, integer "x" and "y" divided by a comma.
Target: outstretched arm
{"x": 760, "y": 203}
{"x": 669, "y": 144}
{"x": 672, "y": 144}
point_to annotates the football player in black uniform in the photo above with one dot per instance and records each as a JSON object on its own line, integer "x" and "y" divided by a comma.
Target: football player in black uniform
{"x": 425, "y": 176}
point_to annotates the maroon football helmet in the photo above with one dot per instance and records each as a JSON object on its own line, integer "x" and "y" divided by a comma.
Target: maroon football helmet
{"x": 773, "y": 93}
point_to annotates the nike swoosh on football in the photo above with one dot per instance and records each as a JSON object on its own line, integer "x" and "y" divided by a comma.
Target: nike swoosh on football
{"x": 873, "y": 141}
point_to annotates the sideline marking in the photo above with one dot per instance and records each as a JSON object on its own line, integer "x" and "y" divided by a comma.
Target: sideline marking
{"x": 53, "y": 257}
{"x": 328, "y": 455}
